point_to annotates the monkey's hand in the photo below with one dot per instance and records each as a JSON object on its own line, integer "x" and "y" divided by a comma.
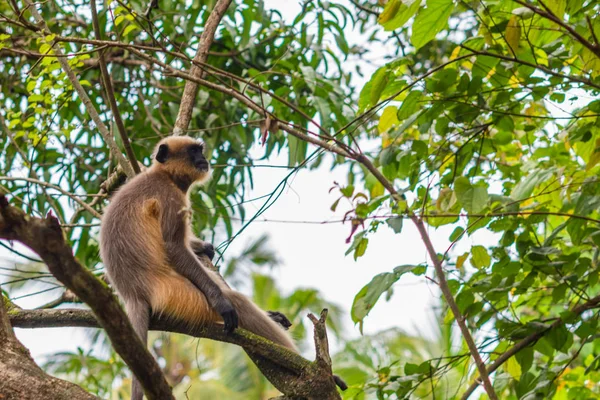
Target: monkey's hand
{"x": 228, "y": 313}
{"x": 280, "y": 319}
{"x": 203, "y": 248}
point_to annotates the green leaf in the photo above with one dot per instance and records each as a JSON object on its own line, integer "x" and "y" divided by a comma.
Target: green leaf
{"x": 361, "y": 248}
{"x": 513, "y": 368}
{"x": 525, "y": 187}
{"x": 397, "y": 13}
{"x": 442, "y": 80}
{"x": 372, "y": 89}
{"x": 388, "y": 119}
{"x": 558, "y": 337}
{"x": 480, "y": 257}
{"x": 389, "y": 12}
{"x": 359, "y": 245}
{"x": 297, "y": 151}
{"x": 409, "y": 105}
{"x": 472, "y": 198}
{"x": 31, "y": 85}
{"x": 335, "y": 204}
{"x": 457, "y": 233}
{"x": 129, "y": 29}
{"x": 513, "y": 33}
{"x": 557, "y": 7}
{"x": 395, "y": 223}
{"x": 430, "y": 21}
{"x": 379, "y": 81}
{"x": 368, "y": 296}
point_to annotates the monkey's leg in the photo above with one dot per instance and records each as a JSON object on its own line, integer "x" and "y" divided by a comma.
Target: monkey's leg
{"x": 184, "y": 261}
{"x": 139, "y": 315}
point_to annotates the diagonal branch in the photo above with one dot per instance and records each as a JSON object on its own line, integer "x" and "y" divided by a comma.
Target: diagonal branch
{"x": 191, "y": 88}
{"x": 44, "y": 237}
{"x": 545, "y": 69}
{"x": 110, "y": 93}
{"x": 531, "y": 339}
{"x": 330, "y": 146}
{"x": 85, "y": 99}
{"x": 441, "y": 276}
{"x": 549, "y": 15}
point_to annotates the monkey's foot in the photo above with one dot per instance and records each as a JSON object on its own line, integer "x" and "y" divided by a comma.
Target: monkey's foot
{"x": 280, "y": 319}
{"x": 207, "y": 249}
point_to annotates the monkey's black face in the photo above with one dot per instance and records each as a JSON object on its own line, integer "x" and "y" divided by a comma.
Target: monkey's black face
{"x": 197, "y": 158}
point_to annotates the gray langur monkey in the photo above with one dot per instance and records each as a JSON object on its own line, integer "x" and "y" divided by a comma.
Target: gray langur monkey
{"x": 150, "y": 252}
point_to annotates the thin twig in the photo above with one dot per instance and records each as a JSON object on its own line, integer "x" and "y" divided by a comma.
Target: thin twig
{"x": 55, "y": 187}
{"x": 549, "y": 15}
{"x": 85, "y": 99}
{"x": 114, "y": 108}
{"x": 536, "y": 66}
{"x": 32, "y": 172}
{"x": 529, "y": 340}
{"x": 248, "y": 102}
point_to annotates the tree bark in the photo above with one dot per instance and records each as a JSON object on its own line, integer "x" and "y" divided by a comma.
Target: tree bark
{"x": 22, "y": 379}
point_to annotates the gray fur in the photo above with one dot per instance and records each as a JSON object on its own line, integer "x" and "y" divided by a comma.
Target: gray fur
{"x": 146, "y": 239}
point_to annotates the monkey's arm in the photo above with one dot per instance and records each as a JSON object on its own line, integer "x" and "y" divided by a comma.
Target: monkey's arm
{"x": 184, "y": 261}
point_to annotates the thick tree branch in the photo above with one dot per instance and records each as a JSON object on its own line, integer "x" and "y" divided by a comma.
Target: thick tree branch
{"x": 110, "y": 93}
{"x": 21, "y": 378}
{"x": 67, "y": 317}
{"x": 44, "y": 237}
{"x": 87, "y": 102}
{"x": 307, "y": 379}
{"x": 191, "y": 88}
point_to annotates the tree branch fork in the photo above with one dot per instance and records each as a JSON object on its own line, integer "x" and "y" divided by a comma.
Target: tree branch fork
{"x": 293, "y": 375}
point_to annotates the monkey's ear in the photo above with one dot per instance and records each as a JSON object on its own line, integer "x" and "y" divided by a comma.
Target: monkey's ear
{"x": 161, "y": 154}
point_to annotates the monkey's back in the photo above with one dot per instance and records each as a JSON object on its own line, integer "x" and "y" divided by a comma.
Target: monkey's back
{"x": 131, "y": 243}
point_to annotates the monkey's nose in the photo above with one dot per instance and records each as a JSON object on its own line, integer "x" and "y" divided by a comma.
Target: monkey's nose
{"x": 202, "y": 166}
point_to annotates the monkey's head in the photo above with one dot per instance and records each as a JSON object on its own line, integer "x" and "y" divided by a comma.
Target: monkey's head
{"x": 182, "y": 157}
